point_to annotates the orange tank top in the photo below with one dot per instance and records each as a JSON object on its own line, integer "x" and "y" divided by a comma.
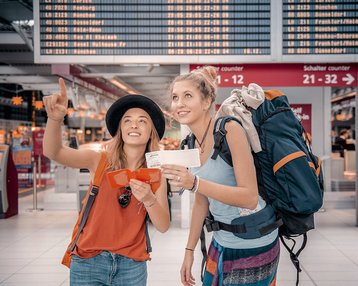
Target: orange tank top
{"x": 109, "y": 226}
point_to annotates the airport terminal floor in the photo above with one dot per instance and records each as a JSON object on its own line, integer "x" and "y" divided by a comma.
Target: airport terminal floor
{"x": 32, "y": 245}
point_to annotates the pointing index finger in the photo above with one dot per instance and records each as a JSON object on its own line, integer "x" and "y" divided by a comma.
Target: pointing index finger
{"x": 63, "y": 90}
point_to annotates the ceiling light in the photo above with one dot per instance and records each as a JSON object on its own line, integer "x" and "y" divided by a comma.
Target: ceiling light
{"x": 119, "y": 84}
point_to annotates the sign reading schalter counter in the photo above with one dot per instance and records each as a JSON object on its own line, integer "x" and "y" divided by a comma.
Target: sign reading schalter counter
{"x": 310, "y": 74}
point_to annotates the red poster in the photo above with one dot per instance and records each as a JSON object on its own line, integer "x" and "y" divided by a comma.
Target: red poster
{"x": 236, "y": 75}
{"x": 22, "y": 157}
{"x": 304, "y": 112}
{"x": 38, "y": 136}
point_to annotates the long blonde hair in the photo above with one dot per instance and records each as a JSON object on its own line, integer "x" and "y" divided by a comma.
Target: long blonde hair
{"x": 115, "y": 148}
{"x": 205, "y": 80}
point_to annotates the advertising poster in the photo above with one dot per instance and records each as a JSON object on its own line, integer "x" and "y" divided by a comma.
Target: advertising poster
{"x": 304, "y": 113}
{"x": 38, "y": 136}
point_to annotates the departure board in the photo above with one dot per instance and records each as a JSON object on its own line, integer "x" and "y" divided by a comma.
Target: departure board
{"x": 153, "y": 28}
{"x": 317, "y": 27}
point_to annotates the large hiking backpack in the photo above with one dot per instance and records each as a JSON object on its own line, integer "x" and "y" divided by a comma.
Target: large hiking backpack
{"x": 289, "y": 176}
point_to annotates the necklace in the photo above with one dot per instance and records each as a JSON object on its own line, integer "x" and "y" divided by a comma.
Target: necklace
{"x": 201, "y": 144}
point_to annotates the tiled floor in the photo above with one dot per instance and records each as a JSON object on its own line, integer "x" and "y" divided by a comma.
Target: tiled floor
{"x": 32, "y": 244}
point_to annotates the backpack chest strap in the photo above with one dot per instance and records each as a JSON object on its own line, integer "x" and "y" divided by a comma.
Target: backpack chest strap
{"x": 251, "y": 226}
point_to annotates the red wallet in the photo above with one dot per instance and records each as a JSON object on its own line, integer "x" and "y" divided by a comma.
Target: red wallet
{"x": 120, "y": 178}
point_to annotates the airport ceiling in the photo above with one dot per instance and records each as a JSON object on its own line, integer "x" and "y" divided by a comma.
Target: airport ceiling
{"x": 107, "y": 81}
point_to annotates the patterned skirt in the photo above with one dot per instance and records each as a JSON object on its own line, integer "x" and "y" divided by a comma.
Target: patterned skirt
{"x": 242, "y": 267}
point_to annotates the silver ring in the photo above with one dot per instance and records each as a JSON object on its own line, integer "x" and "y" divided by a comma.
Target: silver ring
{"x": 178, "y": 178}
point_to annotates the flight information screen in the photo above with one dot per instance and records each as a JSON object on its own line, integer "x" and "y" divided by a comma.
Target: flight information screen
{"x": 315, "y": 27}
{"x": 153, "y": 28}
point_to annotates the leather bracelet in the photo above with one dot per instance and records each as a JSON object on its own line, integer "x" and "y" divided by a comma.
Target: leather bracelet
{"x": 190, "y": 249}
{"x": 152, "y": 203}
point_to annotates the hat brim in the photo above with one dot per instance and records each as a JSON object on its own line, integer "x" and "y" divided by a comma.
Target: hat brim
{"x": 118, "y": 108}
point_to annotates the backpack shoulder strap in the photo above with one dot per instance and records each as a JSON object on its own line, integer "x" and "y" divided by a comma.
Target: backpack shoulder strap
{"x": 94, "y": 191}
{"x": 189, "y": 141}
{"x": 221, "y": 146}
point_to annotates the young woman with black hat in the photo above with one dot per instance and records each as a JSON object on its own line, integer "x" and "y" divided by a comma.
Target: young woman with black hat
{"x": 112, "y": 248}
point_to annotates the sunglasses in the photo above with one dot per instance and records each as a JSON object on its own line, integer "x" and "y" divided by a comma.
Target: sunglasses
{"x": 125, "y": 198}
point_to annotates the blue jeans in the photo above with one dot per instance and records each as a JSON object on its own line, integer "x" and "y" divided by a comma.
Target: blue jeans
{"x": 107, "y": 269}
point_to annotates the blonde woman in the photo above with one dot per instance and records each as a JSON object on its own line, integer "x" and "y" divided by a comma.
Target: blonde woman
{"x": 228, "y": 192}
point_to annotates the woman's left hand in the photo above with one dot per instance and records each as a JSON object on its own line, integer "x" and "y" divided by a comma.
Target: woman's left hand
{"x": 178, "y": 176}
{"x": 141, "y": 191}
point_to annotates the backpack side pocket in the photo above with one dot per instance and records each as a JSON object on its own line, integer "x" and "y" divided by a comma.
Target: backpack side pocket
{"x": 296, "y": 175}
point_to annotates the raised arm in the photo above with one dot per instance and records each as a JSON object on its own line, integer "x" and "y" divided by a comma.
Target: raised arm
{"x": 56, "y": 108}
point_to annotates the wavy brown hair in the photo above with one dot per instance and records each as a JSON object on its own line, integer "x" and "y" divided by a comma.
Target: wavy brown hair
{"x": 115, "y": 148}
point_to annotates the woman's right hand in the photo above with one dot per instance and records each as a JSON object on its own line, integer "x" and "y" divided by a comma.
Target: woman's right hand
{"x": 56, "y": 104}
{"x": 186, "y": 276}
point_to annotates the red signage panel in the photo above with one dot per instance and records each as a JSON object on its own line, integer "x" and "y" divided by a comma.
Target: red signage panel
{"x": 236, "y": 75}
{"x": 38, "y": 136}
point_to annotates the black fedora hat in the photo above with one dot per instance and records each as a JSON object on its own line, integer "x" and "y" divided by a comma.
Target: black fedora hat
{"x": 118, "y": 108}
